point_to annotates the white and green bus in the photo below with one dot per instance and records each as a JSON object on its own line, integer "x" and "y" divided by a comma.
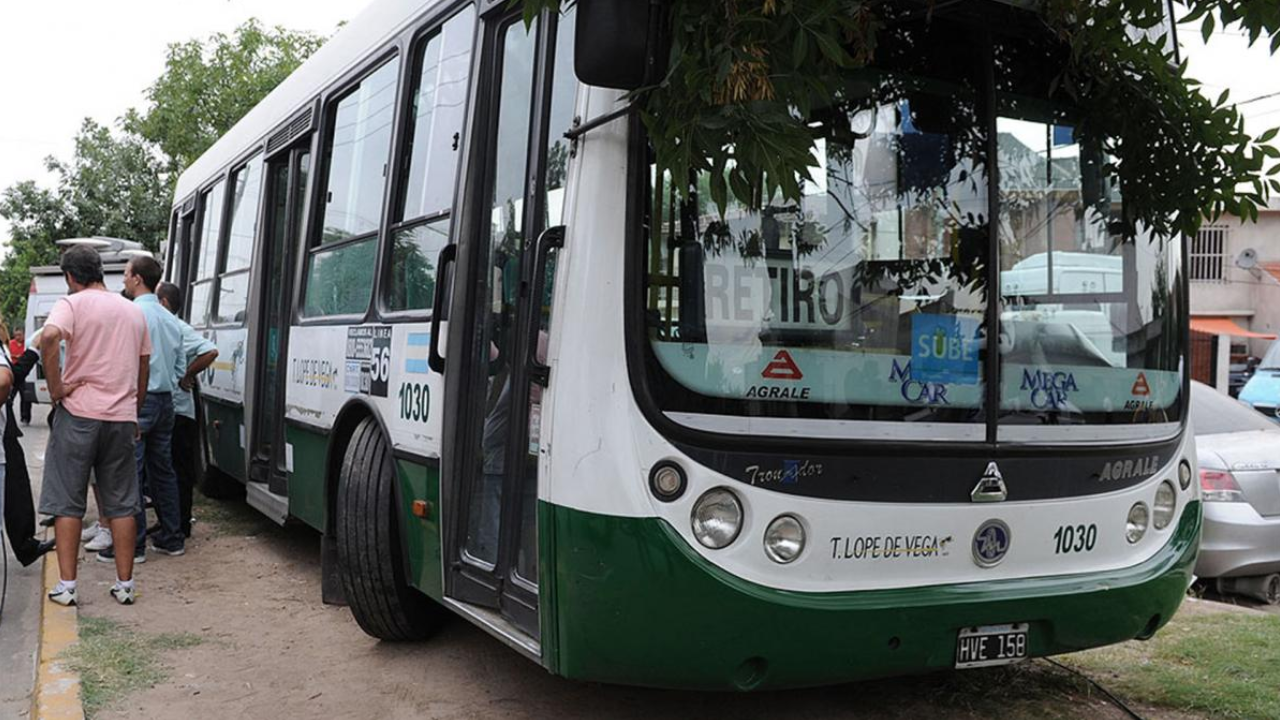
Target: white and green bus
{"x": 469, "y": 335}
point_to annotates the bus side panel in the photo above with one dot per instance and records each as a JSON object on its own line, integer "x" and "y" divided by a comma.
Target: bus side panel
{"x": 421, "y": 535}
{"x": 224, "y": 428}
{"x": 307, "y": 451}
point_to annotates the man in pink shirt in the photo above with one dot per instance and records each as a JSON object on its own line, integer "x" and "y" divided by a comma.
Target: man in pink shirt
{"x": 100, "y": 387}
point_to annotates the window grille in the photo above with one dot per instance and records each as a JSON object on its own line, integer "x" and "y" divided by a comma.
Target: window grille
{"x": 1209, "y": 254}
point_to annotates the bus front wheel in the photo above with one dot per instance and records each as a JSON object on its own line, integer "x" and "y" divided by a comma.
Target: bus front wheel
{"x": 369, "y": 550}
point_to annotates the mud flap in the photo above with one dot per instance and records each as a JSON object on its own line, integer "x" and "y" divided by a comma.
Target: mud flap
{"x": 331, "y": 592}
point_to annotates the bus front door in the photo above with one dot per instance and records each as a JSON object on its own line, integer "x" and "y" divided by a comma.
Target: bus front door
{"x": 287, "y": 175}
{"x": 495, "y": 389}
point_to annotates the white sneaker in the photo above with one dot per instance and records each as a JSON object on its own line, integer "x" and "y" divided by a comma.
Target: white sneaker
{"x": 90, "y": 532}
{"x": 122, "y": 594}
{"x": 101, "y": 541}
{"x": 63, "y": 596}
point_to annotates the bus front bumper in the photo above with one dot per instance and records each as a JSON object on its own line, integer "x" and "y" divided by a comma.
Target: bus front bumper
{"x": 626, "y": 601}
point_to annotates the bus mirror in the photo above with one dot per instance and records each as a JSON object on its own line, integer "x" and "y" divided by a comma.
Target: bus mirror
{"x": 614, "y": 42}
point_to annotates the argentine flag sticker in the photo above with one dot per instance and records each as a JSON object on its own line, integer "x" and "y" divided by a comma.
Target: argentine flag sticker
{"x": 415, "y": 353}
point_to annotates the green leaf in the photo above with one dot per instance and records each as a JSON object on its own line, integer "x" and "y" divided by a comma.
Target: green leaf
{"x": 831, "y": 48}
{"x": 1206, "y": 28}
{"x": 799, "y": 48}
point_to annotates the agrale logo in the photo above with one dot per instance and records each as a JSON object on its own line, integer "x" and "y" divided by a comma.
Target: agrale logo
{"x": 782, "y": 367}
{"x": 1141, "y": 388}
{"x": 1129, "y": 469}
{"x": 991, "y": 543}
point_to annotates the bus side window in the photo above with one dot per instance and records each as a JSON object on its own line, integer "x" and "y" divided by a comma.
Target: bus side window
{"x": 356, "y": 149}
{"x": 429, "y": 163}
{"x": 210, "y": 231}
{"x": 233, "y": 286}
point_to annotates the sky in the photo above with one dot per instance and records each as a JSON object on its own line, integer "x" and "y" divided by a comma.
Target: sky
{"x": 64, "y": 60}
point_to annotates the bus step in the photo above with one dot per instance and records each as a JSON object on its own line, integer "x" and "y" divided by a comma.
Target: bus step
{"x": 268, "y": 503}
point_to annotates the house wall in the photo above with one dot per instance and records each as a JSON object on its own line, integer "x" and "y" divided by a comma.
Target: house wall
{"x": 1252, "y": 299}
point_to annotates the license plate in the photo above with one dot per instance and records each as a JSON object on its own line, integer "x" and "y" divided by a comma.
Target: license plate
{"x": 989, "y": 645}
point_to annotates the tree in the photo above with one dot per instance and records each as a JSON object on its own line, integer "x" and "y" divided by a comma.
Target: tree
{"x": 36, "y": 214}
{"x": 208, "y": 86}
{"x": 120, "y": 184}
{"x": 114, "y": 185}
{"x": 743, "y": 79}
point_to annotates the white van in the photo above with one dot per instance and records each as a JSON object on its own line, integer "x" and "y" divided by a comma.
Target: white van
{"x": 47, "y": 285}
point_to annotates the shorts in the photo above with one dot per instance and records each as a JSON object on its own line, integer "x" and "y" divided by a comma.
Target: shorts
{"x": 80, "y": 445}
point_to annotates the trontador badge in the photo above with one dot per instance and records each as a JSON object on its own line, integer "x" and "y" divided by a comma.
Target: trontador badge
{"x": 990, "y": 487}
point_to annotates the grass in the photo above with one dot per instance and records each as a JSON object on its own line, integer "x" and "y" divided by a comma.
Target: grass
{"x": 114, "y": 660}
{"x": 1027, "y": 691}
{"x": 1223, "y": 664}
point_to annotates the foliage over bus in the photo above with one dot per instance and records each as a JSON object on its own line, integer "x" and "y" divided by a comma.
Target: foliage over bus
{"x": 742, "y": 77}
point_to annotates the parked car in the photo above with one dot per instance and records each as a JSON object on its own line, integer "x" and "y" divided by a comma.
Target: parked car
{"x": 1239, "y": 373}
{"x": 1239, "y": 453}
{"x": 1262, "y": 392}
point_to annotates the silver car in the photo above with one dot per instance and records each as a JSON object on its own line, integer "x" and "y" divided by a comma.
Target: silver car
{"x": 1240, "y": 478}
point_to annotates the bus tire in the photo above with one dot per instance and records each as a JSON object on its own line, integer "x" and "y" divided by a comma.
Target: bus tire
{"x": 217, "y": 485}
{"x": 369, "y": 556}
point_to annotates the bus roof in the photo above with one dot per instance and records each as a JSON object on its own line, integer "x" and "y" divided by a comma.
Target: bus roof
{"x": 378, "y": 23}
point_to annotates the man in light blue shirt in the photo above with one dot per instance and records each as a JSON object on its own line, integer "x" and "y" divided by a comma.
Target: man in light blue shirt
{"x": 198, "y": 354}
{"x": 153, "y": 449}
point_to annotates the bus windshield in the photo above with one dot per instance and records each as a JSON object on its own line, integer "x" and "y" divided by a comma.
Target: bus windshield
{"x": 869, "y": 300}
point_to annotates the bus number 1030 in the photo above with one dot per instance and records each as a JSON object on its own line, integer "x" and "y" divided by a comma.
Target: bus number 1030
{"x": 1075, "y": 539}
{"x": 415, "y": 401}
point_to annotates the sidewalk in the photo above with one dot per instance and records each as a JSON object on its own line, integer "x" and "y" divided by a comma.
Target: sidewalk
{"x": 20, "y": 625}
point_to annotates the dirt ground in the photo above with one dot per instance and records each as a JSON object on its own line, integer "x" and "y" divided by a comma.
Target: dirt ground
{"x": 270, "y": 649}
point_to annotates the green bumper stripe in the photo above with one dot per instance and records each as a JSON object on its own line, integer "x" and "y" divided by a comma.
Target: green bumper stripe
{"x": 634, "y": 604}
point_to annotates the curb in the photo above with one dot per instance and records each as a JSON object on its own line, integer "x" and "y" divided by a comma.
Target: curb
{"x": 57, "y": 690}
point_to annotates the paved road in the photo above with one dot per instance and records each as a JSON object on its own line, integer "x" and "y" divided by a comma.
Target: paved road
{"x": 20, "y": 624}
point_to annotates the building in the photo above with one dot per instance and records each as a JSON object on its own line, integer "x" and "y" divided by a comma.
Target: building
{"x": 1234, "y": 268}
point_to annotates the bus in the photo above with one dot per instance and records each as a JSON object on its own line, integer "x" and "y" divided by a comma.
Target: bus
{"x": 508, "y": 372}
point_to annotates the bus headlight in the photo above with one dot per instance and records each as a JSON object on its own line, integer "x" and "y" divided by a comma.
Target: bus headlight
{"x": 717, "y": 518}
{"x": 1162, "y": 508}
{"x": 784, "y": 539}
{"x": 1136, "y": 526}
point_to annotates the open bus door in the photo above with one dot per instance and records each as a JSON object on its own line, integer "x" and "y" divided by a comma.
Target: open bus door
{"x": 287, "y": 175}
{"x": 495, "y": 380}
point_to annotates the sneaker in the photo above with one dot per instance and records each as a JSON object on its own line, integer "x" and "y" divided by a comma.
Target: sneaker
{"x": 109, "y": 556}
{"x": 173, "y": 551}
{"x": 90, "y": 532}
{"x": 63, "y": 596}
{"x": 101, "y": 541}
{"x": 122, "y": 594}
